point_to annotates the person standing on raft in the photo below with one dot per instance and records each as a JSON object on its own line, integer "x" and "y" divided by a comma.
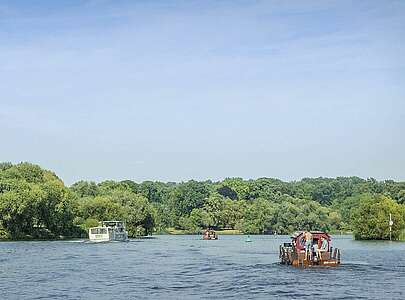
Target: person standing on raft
{"x": 308, "y": 244}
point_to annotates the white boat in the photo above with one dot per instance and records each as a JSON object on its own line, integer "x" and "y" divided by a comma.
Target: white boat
{"x": 108, "y": 231}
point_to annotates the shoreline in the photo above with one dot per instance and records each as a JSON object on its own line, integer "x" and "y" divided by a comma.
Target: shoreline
{"x": 178, "y": 232}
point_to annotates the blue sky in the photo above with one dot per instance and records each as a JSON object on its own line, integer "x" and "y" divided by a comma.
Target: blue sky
{"x": 175, "y": 90}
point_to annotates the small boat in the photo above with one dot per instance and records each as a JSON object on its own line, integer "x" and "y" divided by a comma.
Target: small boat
{"x": 294, "y": 253}
{"x": 108, "y": 231}
{"x": 210, "y": 235}
{"x": 248, "y": 240}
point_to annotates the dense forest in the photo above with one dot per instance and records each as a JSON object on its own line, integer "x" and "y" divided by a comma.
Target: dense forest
{"x": 35, "y": 204}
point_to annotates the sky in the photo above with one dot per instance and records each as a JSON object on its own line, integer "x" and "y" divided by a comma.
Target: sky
{"x": 179, "y": 90}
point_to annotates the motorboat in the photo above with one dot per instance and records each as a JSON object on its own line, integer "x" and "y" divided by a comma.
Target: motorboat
{"x": 108, "y": 231}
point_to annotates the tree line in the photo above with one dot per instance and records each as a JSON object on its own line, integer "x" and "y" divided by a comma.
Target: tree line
{"x": 35, "y": 203}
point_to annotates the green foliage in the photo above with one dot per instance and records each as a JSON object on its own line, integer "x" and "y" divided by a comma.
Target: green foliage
{"x": 87, "y": 224}
{"x": 258, "y": 217}
{"x": 239, "y": 186}
{"x": 155, "y": 192}
{"x": 334, "y": 220}
{"x": 187, "y": 196}
{"x": 199, "y": 218}
{"x": 164, "y": 217}
{"x": 34, "y": 203}
{"x": 5, "y": 165}
{"x": 267, "y": 188}
{"x": 232, "y": 213}
{"x": 293, "y": 214}
{"x": 85, "y": 188}
{"x": 119, "y": 204}
{"x": 108, "y": 186}
{"x": 24, "y": 172}
{"x": 214, "y": 207}
{"x": 227, "y": 192}
{"x": 371, "y": 218}
{"x": 346, "y": 209}
{"x": 401, "y": 196}
{"x": 323, "y": 193}
{"x": 139, "y": 215}
{"x": 101, "y": 208}
{"x": 402, "y": 235}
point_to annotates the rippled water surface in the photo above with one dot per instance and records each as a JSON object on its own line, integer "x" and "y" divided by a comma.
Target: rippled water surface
{"x": 185, "y": 267}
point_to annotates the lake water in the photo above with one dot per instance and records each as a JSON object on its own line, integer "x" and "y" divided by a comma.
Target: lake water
{"x": 185, "y": 267}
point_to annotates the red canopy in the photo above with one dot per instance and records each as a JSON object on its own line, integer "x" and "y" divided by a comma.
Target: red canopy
{"x": 299, "y": 241}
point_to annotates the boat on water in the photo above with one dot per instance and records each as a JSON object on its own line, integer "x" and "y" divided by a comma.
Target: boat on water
{"x": 108, "y": 231}
{"x": 210, "y": 235}
{"x": 293, "y": 253}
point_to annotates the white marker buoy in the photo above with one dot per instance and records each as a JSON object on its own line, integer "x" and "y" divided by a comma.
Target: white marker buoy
{"x": 391, "y": 223}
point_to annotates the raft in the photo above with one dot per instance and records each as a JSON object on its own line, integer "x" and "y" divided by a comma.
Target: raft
{"x": 210, "y": 235}
{"x": 294, "y": 253}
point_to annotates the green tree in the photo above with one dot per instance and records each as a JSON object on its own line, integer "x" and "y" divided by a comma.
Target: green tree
{"x": 258, "y": 217}
{"x": 323, "y": 193}
{"x": 227, "y": 192}
{"x": 238, "y": 185}
{"x": 101, "y": 208}
{"x": 200, "y": 218}
{"x": 187, "y": 196}
{"x": 292, "y": 214}
{"x": 346, "y": 209}
{"x": 334, "y": 220}
{"x": 120, "y": 204}
{"x": 85, "y": 188}
{"x": 401, "y": 196}
{"x": 139, "y": 215}
{"x": 164, "y": 217}
{"x": 371, "y": 218}
{"x": 5, "y": 165}
{"x": 155, "y": 192}
{"x": 34, "y": 203}
{"x": 232, "y": 213}
{"x": 214, "y": 206}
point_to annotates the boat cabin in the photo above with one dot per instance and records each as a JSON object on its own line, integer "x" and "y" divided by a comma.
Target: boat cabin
{"x": 320, "y": 253}
{"x": 299, "y": 240}
{"x": 114, "y": 224}
{"x": 210, "y": 235}
{"x": 108, "y": 231}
